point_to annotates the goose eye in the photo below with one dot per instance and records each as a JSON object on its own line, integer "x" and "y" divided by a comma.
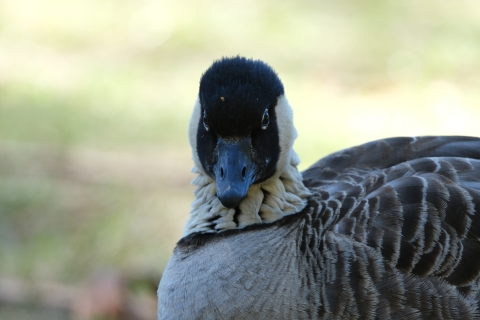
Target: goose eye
{"x": 265, "y": 120}
{"x": 205, "y": 125}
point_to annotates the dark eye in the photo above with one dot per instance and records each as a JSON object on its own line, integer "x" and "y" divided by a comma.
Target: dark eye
{"x": 205, "y": 125}
{"x": 265, "y": 120}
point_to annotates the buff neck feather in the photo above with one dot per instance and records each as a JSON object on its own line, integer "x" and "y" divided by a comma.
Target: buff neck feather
{"x": 281, "y": 195}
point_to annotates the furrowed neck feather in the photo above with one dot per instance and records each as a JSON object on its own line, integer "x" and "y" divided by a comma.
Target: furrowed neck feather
{"x": 282, "y": 194}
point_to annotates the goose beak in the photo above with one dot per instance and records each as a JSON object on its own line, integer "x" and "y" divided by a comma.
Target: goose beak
{"x": 234, "y": 170}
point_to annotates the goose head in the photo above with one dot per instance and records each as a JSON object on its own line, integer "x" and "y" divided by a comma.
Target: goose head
{"x": 241, "y": 133}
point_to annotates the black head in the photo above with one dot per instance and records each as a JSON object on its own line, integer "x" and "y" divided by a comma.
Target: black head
{"x": 234, "y": 93}
{"x": 237, "y": 136}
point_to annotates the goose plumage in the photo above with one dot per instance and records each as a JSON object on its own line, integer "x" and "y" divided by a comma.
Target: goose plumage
{"x": 386, "y": 230}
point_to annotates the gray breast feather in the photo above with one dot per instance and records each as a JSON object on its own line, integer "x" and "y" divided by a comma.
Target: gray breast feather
{"x": 392, "y": 231}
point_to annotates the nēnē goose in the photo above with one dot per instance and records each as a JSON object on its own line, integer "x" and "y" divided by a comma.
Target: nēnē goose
{"x": 385, "y": 230}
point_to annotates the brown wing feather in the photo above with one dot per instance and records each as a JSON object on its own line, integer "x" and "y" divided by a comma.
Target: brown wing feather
{"x": 414, "y": 200}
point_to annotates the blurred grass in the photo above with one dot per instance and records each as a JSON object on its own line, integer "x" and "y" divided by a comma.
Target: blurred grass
{"x": 95, "y": 98}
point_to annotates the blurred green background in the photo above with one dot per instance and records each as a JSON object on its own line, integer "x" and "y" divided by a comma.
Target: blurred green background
{"x": 95, "y": 99}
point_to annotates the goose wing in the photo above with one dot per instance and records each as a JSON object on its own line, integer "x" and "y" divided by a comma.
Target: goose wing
{"x": 415, "y": 200}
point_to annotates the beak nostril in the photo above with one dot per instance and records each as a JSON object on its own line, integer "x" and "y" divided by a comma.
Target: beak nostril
{"x": 221, "y": 173}
{"x": 244, "y": 171}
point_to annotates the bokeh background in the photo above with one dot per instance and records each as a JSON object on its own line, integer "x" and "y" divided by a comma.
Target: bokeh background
{"x": 95, "y": 99}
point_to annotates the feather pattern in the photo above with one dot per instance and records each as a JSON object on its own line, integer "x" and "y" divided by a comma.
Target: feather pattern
{"x": 390, "y": 231}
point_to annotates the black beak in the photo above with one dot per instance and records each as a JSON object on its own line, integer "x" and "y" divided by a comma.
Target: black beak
{"x": 234, "y": 170}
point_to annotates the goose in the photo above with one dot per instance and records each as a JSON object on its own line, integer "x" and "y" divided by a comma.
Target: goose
{"x": 385, "y": 230}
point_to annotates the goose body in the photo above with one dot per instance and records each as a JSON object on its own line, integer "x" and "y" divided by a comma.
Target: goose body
{"x": 385, "y": 230}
